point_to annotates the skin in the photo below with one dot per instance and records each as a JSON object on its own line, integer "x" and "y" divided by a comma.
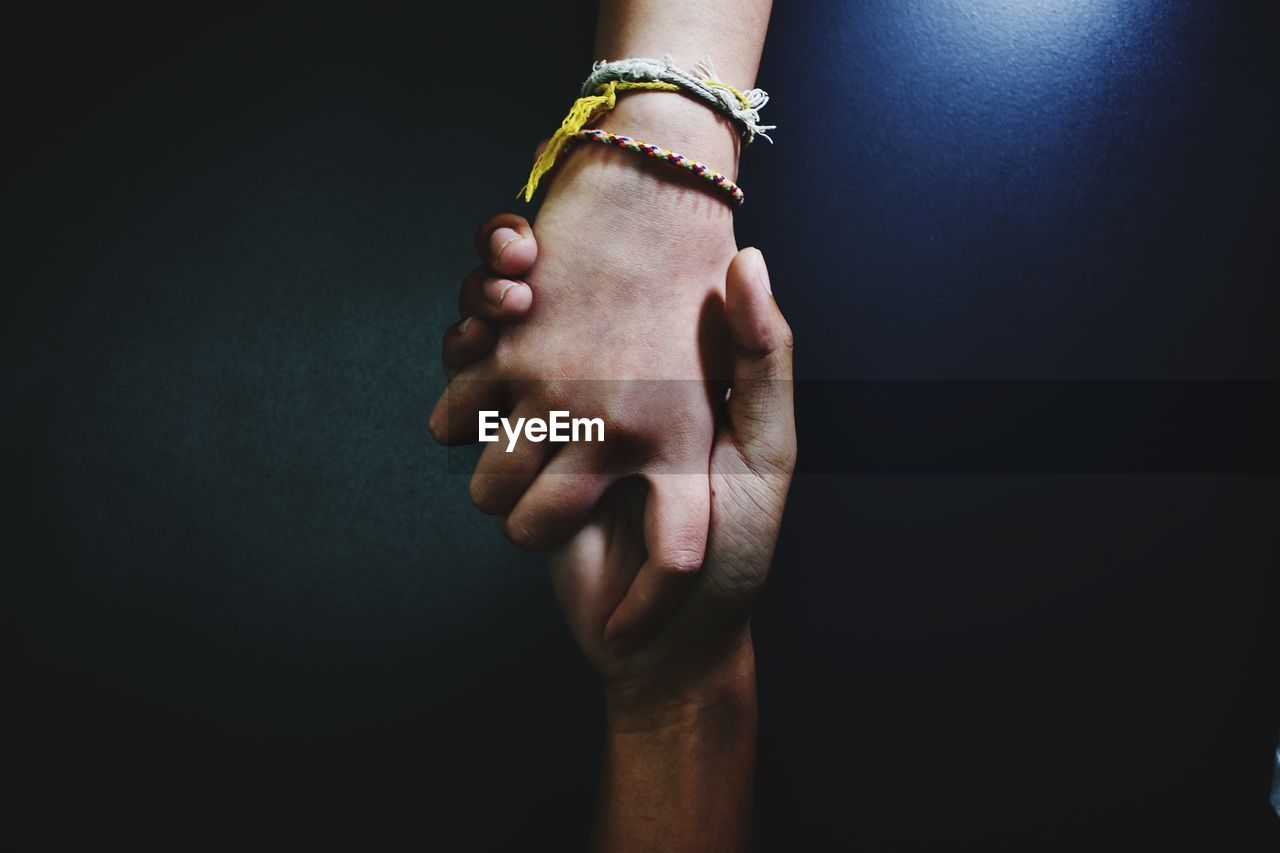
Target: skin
{"x": 638, "y": 261}
{"x": 681, "y": 711}
{"x": 628, "y": 269}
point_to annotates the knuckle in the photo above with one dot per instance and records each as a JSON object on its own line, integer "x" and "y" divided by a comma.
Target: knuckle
{"x": 623, "y": 431}
{"x": 555, "y": 394}
{"x": 505, "y": 353}
{"x": 484, "y": 495}
{"x": 438, "y": 423}
{"x": 522, "y": 534}
{"x": 681, "y": 417}
{"x": 438, "y": 430}
{"x": 452, "y": 353}
{"x": 626, "y": 444}
{"x": 681, "y": 561}
{"x": 786, "y": 338}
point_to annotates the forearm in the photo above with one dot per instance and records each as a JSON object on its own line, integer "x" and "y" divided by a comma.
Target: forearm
{"x": 679, "y": 763}
{"x": 730, "y": 33}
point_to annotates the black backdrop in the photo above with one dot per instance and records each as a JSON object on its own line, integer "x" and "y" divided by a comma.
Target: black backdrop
{"x": 247, "y": 602}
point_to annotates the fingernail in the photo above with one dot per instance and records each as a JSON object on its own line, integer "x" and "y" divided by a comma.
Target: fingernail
{"x": 762, "y": 271}
{"x": 462, "y": 327}
{"x": 495, "y": 290}
{"x": 500, "y": 240}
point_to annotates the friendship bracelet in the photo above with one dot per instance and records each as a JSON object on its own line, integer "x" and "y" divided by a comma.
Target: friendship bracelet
{"x": 584, "y": 111}
{"x": 705, "y": 172}
{"x": 607, "y": 79}
{"x": 701, "y": 82}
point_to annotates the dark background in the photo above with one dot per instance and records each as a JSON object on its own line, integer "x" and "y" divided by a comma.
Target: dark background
{"x": 246, "y": 603}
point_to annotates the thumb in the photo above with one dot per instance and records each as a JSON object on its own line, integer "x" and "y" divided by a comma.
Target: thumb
{"x": 761, "y": 413}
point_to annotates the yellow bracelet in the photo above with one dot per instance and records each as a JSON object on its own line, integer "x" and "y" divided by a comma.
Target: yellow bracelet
{"x": 584, "y": 111}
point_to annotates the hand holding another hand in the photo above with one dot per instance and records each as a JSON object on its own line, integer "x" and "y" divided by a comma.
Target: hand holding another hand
{"x": 628, "y": 269}
{"x": 751, "y": 461}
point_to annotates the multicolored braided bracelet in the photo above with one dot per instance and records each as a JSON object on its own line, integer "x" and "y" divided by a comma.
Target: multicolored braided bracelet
{"x": 683, "y": 162}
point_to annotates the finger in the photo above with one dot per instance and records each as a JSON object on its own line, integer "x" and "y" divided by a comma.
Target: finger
{"x": 559, "y": 501}
{"x": 502, "y": 475}
{"x": 496, "y": 298}
{"x": 761, "y": 413}
{"x": 455, "y": 419}
{"x": 464, "y": 344}
{"x": 675, "y": 534}
{"x": 589, "y": 574}
{"x": 506, "y": 244}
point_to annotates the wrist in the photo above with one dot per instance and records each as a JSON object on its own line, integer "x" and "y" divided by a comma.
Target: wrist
{"x": 676, "y": 121}
{"x": 679, "y": 772}
{"x": 686, "y": 694}
{"x": 647, "y": 193}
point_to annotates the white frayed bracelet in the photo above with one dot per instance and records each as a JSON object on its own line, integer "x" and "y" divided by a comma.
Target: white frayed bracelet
{"x": 700, "y": 81}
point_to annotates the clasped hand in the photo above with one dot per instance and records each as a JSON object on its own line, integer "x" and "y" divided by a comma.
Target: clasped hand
{"x": 659, "y": 541}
